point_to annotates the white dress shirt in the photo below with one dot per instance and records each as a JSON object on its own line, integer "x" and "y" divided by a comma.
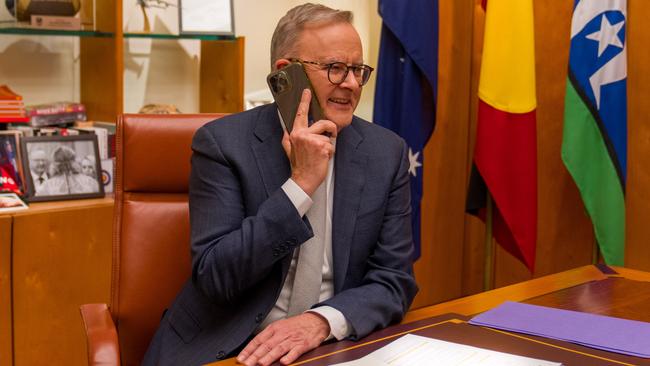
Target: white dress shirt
{"x": 340, "y": 328}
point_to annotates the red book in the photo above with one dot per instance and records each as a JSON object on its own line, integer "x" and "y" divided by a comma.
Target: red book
{"x": 8, "y": 94}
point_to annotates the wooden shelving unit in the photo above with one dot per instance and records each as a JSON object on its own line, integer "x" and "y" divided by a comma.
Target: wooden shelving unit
{"x": 102, "y": 64}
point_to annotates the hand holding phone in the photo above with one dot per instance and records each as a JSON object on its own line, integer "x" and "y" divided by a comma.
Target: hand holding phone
{"x": 309, "y": 148}
{"x": 287, "y": 85}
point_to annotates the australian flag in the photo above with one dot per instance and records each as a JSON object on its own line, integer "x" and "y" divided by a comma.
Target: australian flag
{"x": 407, "y": 79}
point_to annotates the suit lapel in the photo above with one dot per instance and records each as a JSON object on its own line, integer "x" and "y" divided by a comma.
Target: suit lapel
{"x": 349, "y": 180}
{"x": 271, "y": 159}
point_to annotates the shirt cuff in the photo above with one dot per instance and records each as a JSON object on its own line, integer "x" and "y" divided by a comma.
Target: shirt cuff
{"x": 300, "y": 200}
{"x": 339, "y": 326}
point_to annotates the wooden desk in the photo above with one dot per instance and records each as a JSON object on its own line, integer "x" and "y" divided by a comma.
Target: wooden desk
{"x": 625, "y": 294}
{"x": 54, "y": 257}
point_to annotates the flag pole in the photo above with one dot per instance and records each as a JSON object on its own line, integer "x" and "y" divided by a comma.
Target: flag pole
{"x": 595, "y": 253}
{"x": 488, "y": 283}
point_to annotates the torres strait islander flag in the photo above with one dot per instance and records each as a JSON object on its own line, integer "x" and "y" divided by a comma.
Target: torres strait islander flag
{"x": 505, "y": 154}
{"x": 594, "y": 143}
{"x": 407, "y": 78}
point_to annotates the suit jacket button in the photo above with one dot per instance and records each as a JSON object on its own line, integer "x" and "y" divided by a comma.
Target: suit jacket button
{"x": 221, "y": 355}
{"x": 259, "y": 317}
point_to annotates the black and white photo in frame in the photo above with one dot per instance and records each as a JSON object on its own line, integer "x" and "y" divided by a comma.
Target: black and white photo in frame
{"x": 62, "y": 167}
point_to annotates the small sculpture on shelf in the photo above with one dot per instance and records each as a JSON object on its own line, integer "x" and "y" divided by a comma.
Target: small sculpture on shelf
{"x": 159, "y": 109}
{"x": 160, "y": 4}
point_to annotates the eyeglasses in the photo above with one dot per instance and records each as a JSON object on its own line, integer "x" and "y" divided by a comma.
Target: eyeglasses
{"x": 338, "y": 71}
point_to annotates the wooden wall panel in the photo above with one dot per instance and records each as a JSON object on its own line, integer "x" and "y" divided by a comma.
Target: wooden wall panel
{"x": 101, "y": 60}
{"x": 6, "y": 324}
{"x": 439, "y": 270}
{"x": 474, "y": 230}
{"x": 565, "y": 239}
{"x": 638, "y": 172}
{"x": 61, "y": 260}
{"x": 222, "y": 76}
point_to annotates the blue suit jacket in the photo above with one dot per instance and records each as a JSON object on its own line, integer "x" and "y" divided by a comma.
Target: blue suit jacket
{"x": 245, "y": 229}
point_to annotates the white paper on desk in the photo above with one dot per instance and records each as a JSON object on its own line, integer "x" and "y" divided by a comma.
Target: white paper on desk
{"x": 413, "y": 350}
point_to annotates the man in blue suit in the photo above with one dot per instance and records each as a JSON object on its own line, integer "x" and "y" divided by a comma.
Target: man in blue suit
{"x": 260, "y": 196}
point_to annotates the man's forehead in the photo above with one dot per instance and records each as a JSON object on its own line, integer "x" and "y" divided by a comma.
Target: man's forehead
{"x": 38, "y": 154}
{"x": 331, "y": 43}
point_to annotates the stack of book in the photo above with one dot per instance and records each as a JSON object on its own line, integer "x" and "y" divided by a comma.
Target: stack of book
{"x": 12, "y": 108}
{"x": 60, "y": 113}
{"x": 105, "y": 132}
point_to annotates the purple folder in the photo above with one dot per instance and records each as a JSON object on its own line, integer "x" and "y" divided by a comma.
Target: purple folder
{"x": 629, "y": 337}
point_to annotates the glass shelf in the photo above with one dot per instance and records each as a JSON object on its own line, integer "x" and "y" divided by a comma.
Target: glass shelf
{"x": 204, "y": 37}
{"x": 53, "y": 32}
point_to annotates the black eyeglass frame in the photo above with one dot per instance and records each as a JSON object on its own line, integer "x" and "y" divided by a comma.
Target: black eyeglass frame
{"x": 329, "y": 65}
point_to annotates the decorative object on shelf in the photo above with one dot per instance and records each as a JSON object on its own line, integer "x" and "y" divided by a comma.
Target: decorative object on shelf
{"x": 53, "y": 167}
{"x": 55, "y": 22}
{"x": 206, "y": 17}
{"x": 10, "y": 202}
{"x": 108, "y": 172}
{"x": 59, "y": 113}
{"x": 11, "y": 106}
{"x": 159, "y": 109}
{"x": 11, "y": 173}
{"x": 160, "y": 4}
{"x": 24, "y": 9}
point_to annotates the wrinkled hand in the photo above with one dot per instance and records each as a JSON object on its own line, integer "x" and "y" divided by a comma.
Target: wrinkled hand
{"x": 308, "y": 149}
{"x": 286, "y": 340}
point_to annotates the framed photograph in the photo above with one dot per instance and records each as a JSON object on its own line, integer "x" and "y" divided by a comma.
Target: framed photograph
{"x": 10, "y": 202}
{"x": 62, "y": 167}
{"x": 11, "y": 173}
{"x": 214, "y": 17}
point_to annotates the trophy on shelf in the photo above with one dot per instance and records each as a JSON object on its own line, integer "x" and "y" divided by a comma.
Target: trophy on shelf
{"x": 50, "y": 14}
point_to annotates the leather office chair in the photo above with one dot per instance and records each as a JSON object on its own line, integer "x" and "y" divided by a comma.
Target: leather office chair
{"x": 151, "y": 253}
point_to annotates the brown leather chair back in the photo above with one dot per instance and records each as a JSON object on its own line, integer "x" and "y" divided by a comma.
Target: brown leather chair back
{"x": 151, "y": 253}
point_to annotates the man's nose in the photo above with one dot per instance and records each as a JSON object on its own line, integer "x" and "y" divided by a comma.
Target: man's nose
{"x": 350, "y": 81}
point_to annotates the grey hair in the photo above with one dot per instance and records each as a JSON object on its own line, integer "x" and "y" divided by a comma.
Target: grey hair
{"x": 291, "y": 25}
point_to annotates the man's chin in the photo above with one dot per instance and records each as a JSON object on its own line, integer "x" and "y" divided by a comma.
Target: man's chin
{"x": 341, "y": 120}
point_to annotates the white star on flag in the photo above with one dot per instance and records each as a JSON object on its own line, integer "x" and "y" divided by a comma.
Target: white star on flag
{"x": 413, "y": 162}
{"x": 607, "y": 35}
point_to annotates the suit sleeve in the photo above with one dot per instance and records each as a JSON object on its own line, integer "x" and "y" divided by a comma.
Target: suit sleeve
{"x": 388, "y": 287}
{"x": 232, "y": 252}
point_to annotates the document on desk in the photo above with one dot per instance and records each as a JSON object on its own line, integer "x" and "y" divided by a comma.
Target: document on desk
{"x": 413, "y": 350}
{"x": 628, "y": 337}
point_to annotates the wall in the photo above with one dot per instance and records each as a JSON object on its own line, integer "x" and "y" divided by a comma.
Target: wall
{"x": 46, "y": 69}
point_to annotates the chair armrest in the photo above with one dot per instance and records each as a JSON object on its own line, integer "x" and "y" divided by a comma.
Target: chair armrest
{"x": 101, "y": 335}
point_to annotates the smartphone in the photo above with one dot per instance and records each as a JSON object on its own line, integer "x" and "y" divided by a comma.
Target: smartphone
{"x": 286, "y": 86}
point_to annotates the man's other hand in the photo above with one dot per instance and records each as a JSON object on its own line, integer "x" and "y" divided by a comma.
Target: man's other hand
{"x": 285, "y": 340}
{"x": 309, "y": 148}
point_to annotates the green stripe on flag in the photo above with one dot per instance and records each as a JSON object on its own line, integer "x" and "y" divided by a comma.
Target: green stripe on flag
{"x": 586, "y": 157}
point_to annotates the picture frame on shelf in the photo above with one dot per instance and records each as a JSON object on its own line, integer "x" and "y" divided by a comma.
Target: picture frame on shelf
{"x": 206, "y": 17}
{"x": 62, "y": 167}
{"x": 11, "y": 173}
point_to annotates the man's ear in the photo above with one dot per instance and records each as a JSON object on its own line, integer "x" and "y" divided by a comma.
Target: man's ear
{"x": 280, "y": 63}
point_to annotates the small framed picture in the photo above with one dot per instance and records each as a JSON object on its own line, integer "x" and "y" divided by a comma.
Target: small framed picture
{"x": 10, "y": 202}
{"x": 215, "y": 17}
{"x": 11, "y": 172}
{"x": 62, "y": 167}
